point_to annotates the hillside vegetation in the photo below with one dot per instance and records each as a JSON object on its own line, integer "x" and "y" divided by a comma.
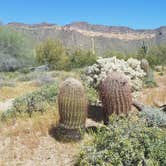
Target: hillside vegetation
{"x": 17, "y": 51}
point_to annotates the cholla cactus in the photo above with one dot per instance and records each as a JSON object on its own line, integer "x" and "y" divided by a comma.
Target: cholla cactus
{"x": 145, "y": 66}
{"x": 115, "y": 94}
{"x": 131, "y": 68}
{"x": 72, "y": 104}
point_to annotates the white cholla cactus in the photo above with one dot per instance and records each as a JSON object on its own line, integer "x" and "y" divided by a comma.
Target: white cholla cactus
{"x": 131, "y": 68}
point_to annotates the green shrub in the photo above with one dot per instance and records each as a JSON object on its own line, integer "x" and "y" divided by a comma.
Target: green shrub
{"x": 125, "y": 142}
{"x": 8, "y": 79}
{"x": 80, "y": 58}
{"x": 119, "y": 55}
{"x": 150, "y": 80}
{"x": 16, "y": 50}
{"x": 92, "y": 94}
{"x": 33, "y": 102}
{"x": 53, "y": 53}
{"x": 157, "y": 55}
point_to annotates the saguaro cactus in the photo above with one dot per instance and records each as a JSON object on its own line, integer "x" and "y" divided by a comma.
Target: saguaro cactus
{"x": 115, "y": 94}
{"x": 72, "y": 104}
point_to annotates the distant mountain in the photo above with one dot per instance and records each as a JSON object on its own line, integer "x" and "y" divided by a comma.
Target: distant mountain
{"x": 98, "y": 38}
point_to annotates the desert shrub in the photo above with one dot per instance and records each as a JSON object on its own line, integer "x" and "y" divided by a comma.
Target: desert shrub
{"x": 53, "y": 53}
{"x": 157, "y": 55}
{"x": 80, "y": 58}
{"x": 154, "y": 116}
{"x": 9, "y": 75}
{"x": 8, "y": 79}
{"x": 118, "y": 55}
{"x": 45, "y": 79}
{"x": 125, "y": 142}
{"x": 30, "y": 76}
{"x": 16, "y": 50}
{"x": 62, "y": 75}
{"x": 150, "y": 80}
{"x": 4, "y": 82}
{"x": 36, "y": 101}
{"x": 91, "y": 94}
{"x": 9, "y": 63}
{"x": 38, "y": 78}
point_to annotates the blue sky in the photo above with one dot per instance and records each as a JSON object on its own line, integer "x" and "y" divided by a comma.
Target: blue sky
{"x": 133, "y": 13}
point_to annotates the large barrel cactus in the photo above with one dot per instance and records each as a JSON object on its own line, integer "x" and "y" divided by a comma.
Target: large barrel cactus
{"x": 72, "y": 104}
{"x": 115, "y": 94}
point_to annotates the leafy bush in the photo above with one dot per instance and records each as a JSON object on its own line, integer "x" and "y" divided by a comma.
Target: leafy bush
{"x": 53, "y": 53}
{"x": 125, "y": 142}
{"x": 16, "y": 50}
{"x": 92, "y": 94}
{"x": 157, "y": 55}
{"x": 80, "y": 58}
{"x": 33, "y": 102}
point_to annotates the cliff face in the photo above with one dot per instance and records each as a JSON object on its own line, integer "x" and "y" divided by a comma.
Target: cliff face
{"x": 98, "y": 38}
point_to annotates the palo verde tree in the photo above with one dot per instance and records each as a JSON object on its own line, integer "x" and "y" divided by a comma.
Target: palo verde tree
{"x": 53, "y": 53}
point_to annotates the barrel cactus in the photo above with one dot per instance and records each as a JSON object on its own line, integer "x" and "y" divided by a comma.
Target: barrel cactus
{"x": 72, "y": 103}
{"x": 115, "y": 94}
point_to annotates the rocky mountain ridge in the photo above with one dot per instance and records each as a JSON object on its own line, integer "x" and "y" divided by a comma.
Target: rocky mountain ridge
{"x": 98, "y": 38}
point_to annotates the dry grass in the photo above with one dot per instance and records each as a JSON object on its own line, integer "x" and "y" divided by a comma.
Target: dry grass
{"x": 27, "y": 141}
{"x": 155, "y": 96}
{"x": 18, "y": 90}
{"x": 24, "y": 125}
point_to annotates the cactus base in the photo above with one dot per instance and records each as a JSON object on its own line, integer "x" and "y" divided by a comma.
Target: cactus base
{"x": 64, "y": 134}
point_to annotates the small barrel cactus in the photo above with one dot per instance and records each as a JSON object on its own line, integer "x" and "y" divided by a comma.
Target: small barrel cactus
{"x": 145, "y": 66}
{"x": 115, "y": 94}
{"x": 72, "y": 103}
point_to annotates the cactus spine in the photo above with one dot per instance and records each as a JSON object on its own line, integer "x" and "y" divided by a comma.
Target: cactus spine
{"x": 115, "y": 94}
{"x": 72, "y": 104}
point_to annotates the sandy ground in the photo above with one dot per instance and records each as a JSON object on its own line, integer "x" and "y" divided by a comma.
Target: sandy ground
{"x": 45, "y": 152}
{"x": 35, "y": 149}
